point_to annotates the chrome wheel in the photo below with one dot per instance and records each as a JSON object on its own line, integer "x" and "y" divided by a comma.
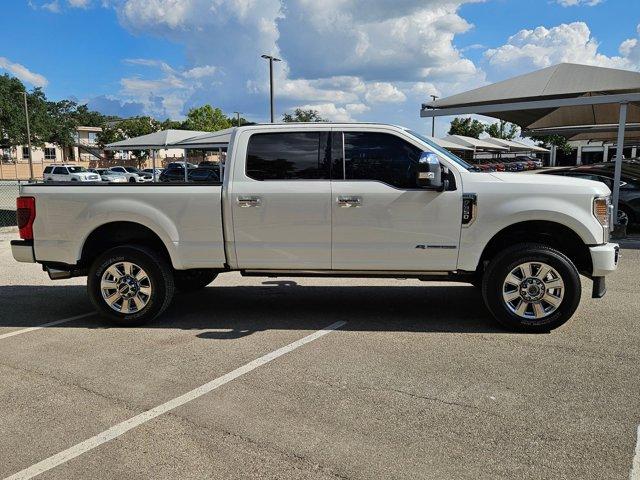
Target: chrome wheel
{"x": 125, "y": 287}
{"x": 533, "y": 290}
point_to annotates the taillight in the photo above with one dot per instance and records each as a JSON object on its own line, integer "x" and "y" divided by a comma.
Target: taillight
{"x": 26, "y": 214}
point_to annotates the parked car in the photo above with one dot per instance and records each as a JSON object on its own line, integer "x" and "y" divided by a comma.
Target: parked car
{"x": 108, "y": 176}
{"x": 69, "y": 173}
{"x": 150, "y": 171}
{"x": 203, "y": 175}
{"x": 330, "y": 199}
{"x": 174, "y": 173}
{"x": 133, "y": 174}
{"x": 629, "y": 205}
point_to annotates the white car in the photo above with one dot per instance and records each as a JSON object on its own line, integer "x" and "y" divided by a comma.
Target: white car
{"x": 133, "y": 174}
{"x": 108, "y": 176}
{"x": 69, "y": 173}
{"x": 330, "y": 200}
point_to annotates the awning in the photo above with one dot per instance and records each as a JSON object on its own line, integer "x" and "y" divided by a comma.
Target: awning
{"x": 217, "y": 139}
{"x": 475, "y": 143}
{"x": 154, "y": 141}
{"x": 441, "y": 142}
{"x": 514, "y": 146}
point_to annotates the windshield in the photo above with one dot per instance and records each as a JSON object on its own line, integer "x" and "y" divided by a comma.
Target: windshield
{"x": 77, "y": 169}
{"x": 131, "y": 169}
{"x": 441, "y": 150}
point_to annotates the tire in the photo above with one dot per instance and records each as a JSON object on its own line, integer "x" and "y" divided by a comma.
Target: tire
{"x": 193, "y": 280}
{"x": 148, "y": 296}
{"x": 540, "y": 303}
{"x": 132, "y": 180}
{"x": 625, "y": 212}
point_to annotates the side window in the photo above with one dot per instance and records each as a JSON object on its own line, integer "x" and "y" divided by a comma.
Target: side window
{"x": 382, "y": 157}
{"x": 288, "y": 156}
{"x": 47, "y": 169}
{"x": 60, "y": 171}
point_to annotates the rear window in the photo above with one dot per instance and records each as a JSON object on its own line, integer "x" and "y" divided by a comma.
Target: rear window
{"x": 48, "y": 169}
{"x": 288, "y": 156}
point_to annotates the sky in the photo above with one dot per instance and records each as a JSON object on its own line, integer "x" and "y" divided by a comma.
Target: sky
{"x": 351, "y": 60}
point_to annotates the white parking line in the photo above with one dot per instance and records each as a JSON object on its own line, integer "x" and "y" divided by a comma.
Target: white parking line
{"x": 121, "y": 428}
{"x": 44, "y": 325}
{"x": 635, "y": 466}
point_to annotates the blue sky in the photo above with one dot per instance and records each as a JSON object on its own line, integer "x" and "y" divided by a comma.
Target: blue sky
{"x": 368, "y": 60}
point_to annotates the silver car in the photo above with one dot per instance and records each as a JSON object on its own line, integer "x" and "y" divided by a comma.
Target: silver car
{"x": 108, "y": 176}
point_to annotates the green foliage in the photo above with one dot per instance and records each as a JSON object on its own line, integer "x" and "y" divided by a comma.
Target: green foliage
{"x": 546, "y": 141}
{"x": 503, "y": 130}
{"x": 206, "y": 119}
{"x": 305, "y": 116}
{"x": 467, "y": 127}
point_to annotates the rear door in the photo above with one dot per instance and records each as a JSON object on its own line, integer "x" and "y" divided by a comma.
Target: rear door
{"x": 281, "y": 200}
{"x": 60, "y": 174}
{"x": 382, "y": 220}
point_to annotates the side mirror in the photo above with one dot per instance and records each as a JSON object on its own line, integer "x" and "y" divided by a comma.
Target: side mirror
{"x": 429, "y": 172}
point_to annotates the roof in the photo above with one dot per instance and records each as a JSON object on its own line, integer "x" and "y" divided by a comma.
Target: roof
{"x": 88, "y": 129}
{"x": 161, "y": 139}
{"x": 475, "y": 143}
{"x": 220, "y": 138}
{"x": 558, "y": 82}
{"x": 514, "y": 146}
{"x": 441, "y": 142}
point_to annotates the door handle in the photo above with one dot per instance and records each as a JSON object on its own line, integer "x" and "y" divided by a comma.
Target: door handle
{"x": 245, "y": 202}
{"x": 349, "y": 201}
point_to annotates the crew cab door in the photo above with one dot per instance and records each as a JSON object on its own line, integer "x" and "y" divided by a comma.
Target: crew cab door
{"x": 281, "y": 200}
{"x": 382, "y": 220}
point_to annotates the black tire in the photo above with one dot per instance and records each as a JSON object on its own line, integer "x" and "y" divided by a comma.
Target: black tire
{"x": 506, "y": 261}
{"x": 630, "y": 217}
{"x": 132, "y": 180}
{"x": 159, "y": 275}
{"x": 193, "y": 280}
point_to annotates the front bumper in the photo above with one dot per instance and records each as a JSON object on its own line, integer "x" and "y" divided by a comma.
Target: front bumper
{"x": 22, "y": 251}
{"x": 604, "y": 259}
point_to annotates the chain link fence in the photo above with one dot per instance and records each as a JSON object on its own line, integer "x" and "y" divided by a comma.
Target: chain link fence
{"x": 9, "y": 191}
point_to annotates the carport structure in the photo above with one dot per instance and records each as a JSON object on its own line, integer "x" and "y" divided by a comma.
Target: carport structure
{"x": 155, "y": 141}
{"x": 560, "y": 96}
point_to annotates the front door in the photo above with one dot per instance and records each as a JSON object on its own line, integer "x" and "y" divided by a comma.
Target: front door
{"x": 281, "y": 201}
{"x": 382, "y": 220}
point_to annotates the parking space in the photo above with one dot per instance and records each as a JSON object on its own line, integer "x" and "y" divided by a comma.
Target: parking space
{"x": 418, "y": 383}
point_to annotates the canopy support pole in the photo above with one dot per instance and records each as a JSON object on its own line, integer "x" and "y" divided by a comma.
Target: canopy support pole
{"x": 618, "y": 166}
{"x": 153, "y": 164}
{"x": 186, "y": 173}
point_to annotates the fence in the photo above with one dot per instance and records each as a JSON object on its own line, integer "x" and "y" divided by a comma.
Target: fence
{"x": 9, "y": 191}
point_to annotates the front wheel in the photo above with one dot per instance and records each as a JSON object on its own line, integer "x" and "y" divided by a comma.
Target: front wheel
{"x": 531, "y": 288}
{"x": 130, "y": 285}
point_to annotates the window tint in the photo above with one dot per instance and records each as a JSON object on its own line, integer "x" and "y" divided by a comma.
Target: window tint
{"x": 382, "y": 157}
{"x": 288, "y": 156}
{"x": 48, "y": 169}
{"x": 60, "y": 171}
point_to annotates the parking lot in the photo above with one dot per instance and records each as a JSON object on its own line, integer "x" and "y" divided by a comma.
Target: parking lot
{"x": 260, "y": 378}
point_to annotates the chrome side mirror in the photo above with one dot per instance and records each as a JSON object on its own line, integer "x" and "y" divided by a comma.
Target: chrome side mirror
{"x": 429, "y": 172}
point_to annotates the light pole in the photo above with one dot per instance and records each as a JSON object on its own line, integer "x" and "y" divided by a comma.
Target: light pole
{"x": 271, "y": 59}
{"x": 433, "y": 119}
{"x": 238, "y": 118}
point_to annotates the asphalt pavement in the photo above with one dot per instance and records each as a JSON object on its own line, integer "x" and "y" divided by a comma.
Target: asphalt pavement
{"x": 260, "y": 378}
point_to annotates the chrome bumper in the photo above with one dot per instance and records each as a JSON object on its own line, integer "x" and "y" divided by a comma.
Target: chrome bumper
{"x": 22, "y": 251}
{"x": 604, "y": 259}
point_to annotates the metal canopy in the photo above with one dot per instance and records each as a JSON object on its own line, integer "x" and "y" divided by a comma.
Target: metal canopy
{"x": 219, "y": 139}
{"x": 475, "y": 143}
{"x": 441, "y": 142}
{"x": 564, "y": 95}
{"x": 155, "y": 140}
{"x": 514, "y": 146}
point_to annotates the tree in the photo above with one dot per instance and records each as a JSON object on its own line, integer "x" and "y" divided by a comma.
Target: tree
{"x": 169, "y": 124}
{"x": 467, "y": 127}
{"x": 61, "y": 124}
{"x": 546, "y": 141}
{"x": 129, "y": 128}
{"x": 206, "y": 119}
{"x": 503, "y": 130}
{"x": 304, "y": 116}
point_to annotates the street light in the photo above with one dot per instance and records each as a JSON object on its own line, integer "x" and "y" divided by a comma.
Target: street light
{"x": 433, "y": 119}
{"x": 238, "y": 117}
{"x": 271, "y": 60}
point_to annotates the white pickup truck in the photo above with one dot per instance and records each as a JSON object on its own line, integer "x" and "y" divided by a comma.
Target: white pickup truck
{"x": 334, "y": 200}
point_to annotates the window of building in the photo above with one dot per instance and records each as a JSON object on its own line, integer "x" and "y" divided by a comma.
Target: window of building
{"x": 288, "y": 156}
{"x": 49, "y": 153}
{"x": 25, "y": 153}
{"x": 93, "y": 138}
{"x": 381, "y": 157}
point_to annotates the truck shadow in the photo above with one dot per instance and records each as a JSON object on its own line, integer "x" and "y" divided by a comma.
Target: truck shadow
{"x": 236, "y": 311}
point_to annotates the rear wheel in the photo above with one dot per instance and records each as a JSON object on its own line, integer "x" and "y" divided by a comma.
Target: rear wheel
{"x": 132, "y": 180}
{"x": 531, "y": 288}
{"x": 130, "y": 285}
{"x": 193, "y": 280}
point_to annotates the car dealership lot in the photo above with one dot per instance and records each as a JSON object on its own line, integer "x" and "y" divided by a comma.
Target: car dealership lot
{"x": 418, "y": 383}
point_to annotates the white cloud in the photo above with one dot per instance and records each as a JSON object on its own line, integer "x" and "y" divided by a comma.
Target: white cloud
{"x": 329, "y": 111}
{"x": 53, "y": 7}
{"x": 573, "y": 3}
{"x": 542, "y": 47}
{"x": 79, "y": 3}
{"x": 383, "y": 92}
{"x": 23, "y": 73}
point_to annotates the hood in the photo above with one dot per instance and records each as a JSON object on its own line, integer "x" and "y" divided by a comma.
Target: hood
{"x": 596, "y": 188}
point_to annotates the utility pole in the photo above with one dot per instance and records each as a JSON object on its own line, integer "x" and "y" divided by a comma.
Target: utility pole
{"x": 271, "y": 59}
{"x": 433, "y": 119}
{"x": 238, "y": 118}
{"x": 26, "y": 114}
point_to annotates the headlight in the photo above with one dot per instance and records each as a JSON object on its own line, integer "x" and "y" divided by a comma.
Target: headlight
{"x": 601, "y": 210}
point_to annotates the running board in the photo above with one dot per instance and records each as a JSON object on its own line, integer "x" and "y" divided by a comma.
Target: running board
{"x": 344, "y": 273}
